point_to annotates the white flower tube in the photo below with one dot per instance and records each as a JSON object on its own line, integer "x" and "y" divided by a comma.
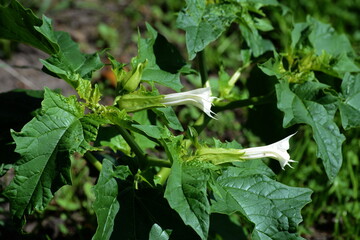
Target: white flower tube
{"x": 200, "y": 98}
{"x": 277, "y": 151}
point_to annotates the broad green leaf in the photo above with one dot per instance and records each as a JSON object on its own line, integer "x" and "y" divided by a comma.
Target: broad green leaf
{"x": 186, "y": 192}
{"x": 153, "y": 72}
{"x": 322, "y": 49}
{"x": 249, "y": 28}
{"x": 157, "y": 233}
{"x": 272, "y": 207}
{"x": 168, "y": 116}
{"x": 144, "y": 142}
{"x": 45, "y": 145}
{"x": 153, "y": 131}
{"x": 106, "y": 205}
{"x": 324, "y": 37}
{"x": 117, "y": 143}
{"x": 68, "y": 63}
{"x": 350, "y": 106}
{"x": 325, "y": 131}
{"x": 18, "y": 24}
{"x": 204, "y": 22}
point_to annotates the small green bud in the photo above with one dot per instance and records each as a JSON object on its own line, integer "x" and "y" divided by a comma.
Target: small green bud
{"x": 132, "y": 79}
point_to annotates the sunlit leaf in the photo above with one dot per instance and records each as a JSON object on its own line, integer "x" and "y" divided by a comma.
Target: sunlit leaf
{"x": 325, "y": 131}
{"x": 350, "y": 106}
{"x": 18, "y": 23}
{"x": 186, "y": 191}
{"x": 204, "y": 22}
{"x": 106, "y": 205}
{"x": 68, "y": 63}
{"x": 272, "y": 207}
{"x": 157, "y": 233}
{"x": 45, "y": 145}
{"x": 153, "y": 72}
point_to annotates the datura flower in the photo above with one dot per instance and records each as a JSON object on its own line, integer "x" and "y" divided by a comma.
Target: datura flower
{"x": 140, "y": 100}
{"x": 200, "y": 98}
{"x": 277, "y": 151}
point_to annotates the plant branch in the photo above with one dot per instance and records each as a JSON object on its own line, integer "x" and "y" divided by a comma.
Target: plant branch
{"x": 90, "y": 157}
{"x": 133, "y": 145}
{"x": 163, "y": 175}
{"x": 153, "y": 161}
{"x": 144, "y": 159}
{"x": 202, "y": 67}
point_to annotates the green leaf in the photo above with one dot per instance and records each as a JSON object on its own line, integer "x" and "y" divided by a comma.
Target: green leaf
{"x": 350, "y": 106}
{"x": 324, "y": 37}
{"x": 106, "y": 205}
{"x": 141, "y": 138}
{"x": 168, "y": 116}
{"x": 322, "y": 48}
{"x": 152, "y": 71}
{"x": 17, "y": 24}
{"x": 186, "y": 192}
{"x": 204, "y": 22}
{"x": 68, "y": 63}
{"x": 272, "y": 207}
{"x": 153, "y": 131}
{"x": 110, "y": 137}
{"x": 157, "y": 233}
{"x": 45, "y": 145}
{"x": 326, "y": 133}
{"x": 249, "y": 27}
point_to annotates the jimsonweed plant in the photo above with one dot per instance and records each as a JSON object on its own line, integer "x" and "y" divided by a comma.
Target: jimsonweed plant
{"x": 159, "y": 178}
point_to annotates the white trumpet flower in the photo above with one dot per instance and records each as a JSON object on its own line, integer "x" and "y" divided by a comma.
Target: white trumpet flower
{"x": 200, "y": 98}
{"x": 277, "y": 151}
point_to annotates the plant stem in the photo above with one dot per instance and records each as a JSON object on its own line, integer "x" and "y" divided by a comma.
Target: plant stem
{"x": 237, "y": 104}
{"x": 133, "y": 145}
{"x": 143, "y": 157}
{"x": 163, "y": 175}
{"x": 202, "y": 67}
{"x": 90, "y": 157}
{"x": 153, "y": 161}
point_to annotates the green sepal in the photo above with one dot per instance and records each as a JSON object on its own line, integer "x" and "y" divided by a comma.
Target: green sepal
{"x": 139, "y": 100}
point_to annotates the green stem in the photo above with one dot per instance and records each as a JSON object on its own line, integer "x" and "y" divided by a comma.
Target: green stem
{"x": 202, "y": 67}
{"x": 89, "y": 157}
{"x": 163, "y": 175}
{"x": 237, "y": 104}
{"x": 153, "y": 161}
{"x": 143, "y": 157}
{"x": 133, "y": 145}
